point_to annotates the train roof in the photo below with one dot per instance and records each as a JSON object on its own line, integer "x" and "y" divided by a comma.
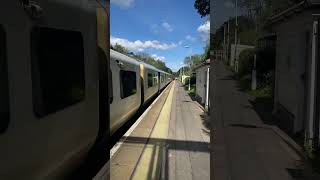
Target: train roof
{"x": 131, "y": 60}
{"x": 148, "y": 66}
{"x": 123, "y": 57}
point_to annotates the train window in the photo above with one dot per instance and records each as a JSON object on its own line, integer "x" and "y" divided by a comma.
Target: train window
{"x": 58, "y": 77}
{"x": 150, "y": 80}
{"x": 128, "y": 84}
{"x": 4, "y": 93}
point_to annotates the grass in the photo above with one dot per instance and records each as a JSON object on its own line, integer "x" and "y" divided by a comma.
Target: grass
{"x": 315, "y": 160}
{"x": 263, "y": 92}
{"x": 192, "y": 91}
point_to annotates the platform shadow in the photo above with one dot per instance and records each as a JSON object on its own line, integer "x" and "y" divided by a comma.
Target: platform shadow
{"x": 161, "y": 168}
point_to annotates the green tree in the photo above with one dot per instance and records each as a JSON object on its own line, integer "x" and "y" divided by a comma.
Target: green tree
{"x": 203, "y": 7}
{"x": 121, "y": 49}
{"x": 193, "y": 60}
{"x": 246, "y": 32}
{"x": 206, "y": 54}
{"x": 154, "y": 62}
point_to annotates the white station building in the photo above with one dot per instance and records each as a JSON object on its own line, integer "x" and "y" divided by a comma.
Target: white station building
{"x": 202, "y": 83}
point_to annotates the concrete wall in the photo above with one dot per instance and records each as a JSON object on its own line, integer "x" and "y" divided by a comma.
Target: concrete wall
{"x": 292, "y": 64}
{"x": 201, "y": 83}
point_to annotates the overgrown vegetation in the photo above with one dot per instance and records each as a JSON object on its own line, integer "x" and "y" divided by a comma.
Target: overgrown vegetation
{"x": 192, "y": 91}
{"x": 246, "y": 62}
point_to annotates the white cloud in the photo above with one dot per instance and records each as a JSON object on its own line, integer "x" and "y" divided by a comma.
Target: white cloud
{"x": 204, "y": 31}
{"x": 229, "y": 4}
{"x": 159, "y": 58}
{"x": 167, "y": 26}
{"x": 190, "y": 38}
{"x": 180, "y": 42}
{"x": 139, "y": 45}
{"x": 123, "y": 3}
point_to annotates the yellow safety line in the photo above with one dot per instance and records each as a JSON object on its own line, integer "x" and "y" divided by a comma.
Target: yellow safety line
{"x": 150, "y": 162}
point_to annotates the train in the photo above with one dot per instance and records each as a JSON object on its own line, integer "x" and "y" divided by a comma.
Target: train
{"x": 133, "y": 84}
{"x": 53, "y": 91}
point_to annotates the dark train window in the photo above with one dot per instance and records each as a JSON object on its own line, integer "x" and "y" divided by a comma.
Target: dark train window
{"x": 58, "y": 77}
{"x": 4, "y": 93}
{"x": 128, "y": 84}
{"x": 150, "y": 80}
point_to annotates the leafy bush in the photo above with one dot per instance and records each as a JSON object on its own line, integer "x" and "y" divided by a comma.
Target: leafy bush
{"x": 245, "y": 62}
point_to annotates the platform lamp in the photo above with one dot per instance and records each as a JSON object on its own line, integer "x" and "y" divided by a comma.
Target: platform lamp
{"x": 189, "y": 65}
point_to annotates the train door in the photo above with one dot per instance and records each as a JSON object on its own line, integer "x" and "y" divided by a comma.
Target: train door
{"x": 159, "y": 81}
{"x": 51, "y": 51}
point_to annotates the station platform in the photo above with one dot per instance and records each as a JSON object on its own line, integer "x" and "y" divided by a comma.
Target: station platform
{"x": 169, "y": 141}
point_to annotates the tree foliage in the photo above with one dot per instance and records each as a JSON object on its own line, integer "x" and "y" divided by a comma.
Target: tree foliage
{"x": 246, "y": 32}
{"x": 193, "y": 60}
{"x": 246, "y": 61}
{"x": 203, "y": 7}
{"x": 262, "y": 9}
{"x": 121, "y": 49}
{"x": 154, "y": 62}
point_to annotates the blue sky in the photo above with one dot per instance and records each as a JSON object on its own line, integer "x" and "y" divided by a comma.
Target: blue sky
{"x": 160, "y": 28}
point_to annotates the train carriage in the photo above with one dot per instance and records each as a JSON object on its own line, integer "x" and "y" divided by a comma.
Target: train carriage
{"x": 126, "y": 90}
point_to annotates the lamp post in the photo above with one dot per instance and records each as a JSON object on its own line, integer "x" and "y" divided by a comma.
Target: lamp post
{"x": 236, "y": 39}
{"x": 189, "y": 66}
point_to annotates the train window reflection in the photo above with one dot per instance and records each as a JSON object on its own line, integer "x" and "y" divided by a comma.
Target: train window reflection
{"x": 57, "y": 69}
{"x": 4, "y": 94}
{"x": 128, "y": 85}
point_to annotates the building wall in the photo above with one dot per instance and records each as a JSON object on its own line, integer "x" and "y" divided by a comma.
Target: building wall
{"x": 201, "y": 82}
{"x": 293, "y": 55}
